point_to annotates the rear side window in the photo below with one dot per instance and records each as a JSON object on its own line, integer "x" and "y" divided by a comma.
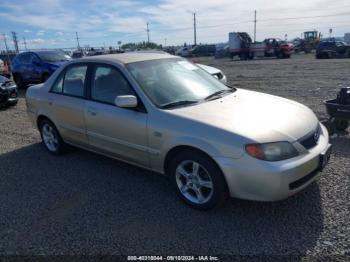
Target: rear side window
{"x": 74, "y": 80}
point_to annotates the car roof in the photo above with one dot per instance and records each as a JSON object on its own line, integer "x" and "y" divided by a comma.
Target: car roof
{"x": 131, "y": 57}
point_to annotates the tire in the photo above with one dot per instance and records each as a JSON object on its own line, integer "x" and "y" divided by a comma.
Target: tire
{"x": 341, "y": 124}
{"x": 19, "y": 81}
{"x": 51, "y": 138}
{"x": 203, "y": 189}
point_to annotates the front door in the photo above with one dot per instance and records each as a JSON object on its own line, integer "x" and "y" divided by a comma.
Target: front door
{"x": 121, "y": 132}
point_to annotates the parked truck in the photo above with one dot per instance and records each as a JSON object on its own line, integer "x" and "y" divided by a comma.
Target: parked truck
{"x": 241, "y": 45}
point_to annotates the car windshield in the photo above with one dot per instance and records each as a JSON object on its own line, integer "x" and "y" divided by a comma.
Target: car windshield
{"x": 53, "y": 56}
{"x": 175, "y": 81}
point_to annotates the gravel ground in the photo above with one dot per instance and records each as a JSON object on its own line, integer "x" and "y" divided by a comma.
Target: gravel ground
{"x": 83, "y": 203}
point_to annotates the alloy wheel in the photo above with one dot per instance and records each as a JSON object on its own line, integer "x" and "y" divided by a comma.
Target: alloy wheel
{"x": 50, "y": 137}
{"x": 194, "y": 182}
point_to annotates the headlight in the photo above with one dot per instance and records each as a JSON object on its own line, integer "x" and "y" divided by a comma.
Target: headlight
{"x": 272, "y": 151}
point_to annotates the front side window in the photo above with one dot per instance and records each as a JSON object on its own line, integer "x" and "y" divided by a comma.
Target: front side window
{"x": 108, "y": 83}
{"x": 58, "y": 86}
{"x": 74, "y": 80}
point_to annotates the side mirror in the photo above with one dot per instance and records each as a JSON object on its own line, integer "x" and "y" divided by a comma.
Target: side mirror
{"x": 127, "y": 101}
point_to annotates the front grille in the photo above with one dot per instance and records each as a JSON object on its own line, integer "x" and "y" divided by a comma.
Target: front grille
{"x": 311, "y": 140}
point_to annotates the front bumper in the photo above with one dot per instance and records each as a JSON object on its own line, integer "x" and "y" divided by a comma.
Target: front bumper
{"x": 253, "y": 179}
{"x": 8, "y": 96}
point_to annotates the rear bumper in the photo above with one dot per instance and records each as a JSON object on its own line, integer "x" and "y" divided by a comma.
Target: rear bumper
{"x": 258, "y": 180}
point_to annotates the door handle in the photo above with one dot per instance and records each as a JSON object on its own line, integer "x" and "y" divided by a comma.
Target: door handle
{"x": 92, "y": 111}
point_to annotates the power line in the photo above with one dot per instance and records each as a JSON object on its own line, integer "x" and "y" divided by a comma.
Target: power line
{"x": 25, "y": 43}
{"x": 254, "y": 26}
{"x": 250, "y": 21}
{"x": 147, "y": 33}
{"x": 194, "y": 29}
{"x": 303, "y": 17}
{"x": 77, "y": 37}
{"x": 15, "y": 42}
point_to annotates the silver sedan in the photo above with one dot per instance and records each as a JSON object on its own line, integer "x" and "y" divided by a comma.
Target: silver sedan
{"x": 165, "y": 114}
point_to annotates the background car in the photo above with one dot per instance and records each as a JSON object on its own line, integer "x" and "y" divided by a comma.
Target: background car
{"x": 8, "y": 92}
{"x": 333, "y": 49}
{"x": 36, "y": 67}
{"x": 184, "y": 52}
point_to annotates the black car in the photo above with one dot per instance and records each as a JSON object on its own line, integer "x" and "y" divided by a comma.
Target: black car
{"x": 8, "y": 92}
{"x": 333, "y": 49}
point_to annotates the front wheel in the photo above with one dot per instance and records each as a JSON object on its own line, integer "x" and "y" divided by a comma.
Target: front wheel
{"x": 51, "y": 138}
{"x": 198, "y": 180}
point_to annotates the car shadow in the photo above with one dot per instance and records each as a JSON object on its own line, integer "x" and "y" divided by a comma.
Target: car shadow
{"x": 84, "y": 203}
{"x": 341, "y": 144}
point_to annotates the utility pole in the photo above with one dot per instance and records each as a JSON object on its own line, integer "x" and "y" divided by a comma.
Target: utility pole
{"x": 15, "y": 42}
{"x": 25, "y": 43}
{"x": 194, "y": 29}
{"x": 164, "y": 42}
{"x": 147, "y": 33}
{"x": 7, "y": 49}
{"x": 76, "y": 34}
{"x": 254, "y": 26}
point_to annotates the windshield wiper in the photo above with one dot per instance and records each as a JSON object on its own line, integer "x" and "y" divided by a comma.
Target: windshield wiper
{"x": 178, "y": 103}
{"x": 218, "y": 94}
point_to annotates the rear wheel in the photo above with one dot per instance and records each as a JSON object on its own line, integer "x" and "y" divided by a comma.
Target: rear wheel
{"x": 198, "y": 180}
{"x": 51, "y": 138}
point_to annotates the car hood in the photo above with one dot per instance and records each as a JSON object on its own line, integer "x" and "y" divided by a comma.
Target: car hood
{"x": 256, "y": 116}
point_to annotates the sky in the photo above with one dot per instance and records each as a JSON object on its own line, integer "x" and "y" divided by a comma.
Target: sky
{"x": 53, "y": 23}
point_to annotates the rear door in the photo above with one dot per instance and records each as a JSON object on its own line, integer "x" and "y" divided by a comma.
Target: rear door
{"x": 121, "y": 132}
{"x": 67, "y": 103}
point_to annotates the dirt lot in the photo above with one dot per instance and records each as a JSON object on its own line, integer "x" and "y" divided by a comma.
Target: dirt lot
{"x": 85, "y": 203}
